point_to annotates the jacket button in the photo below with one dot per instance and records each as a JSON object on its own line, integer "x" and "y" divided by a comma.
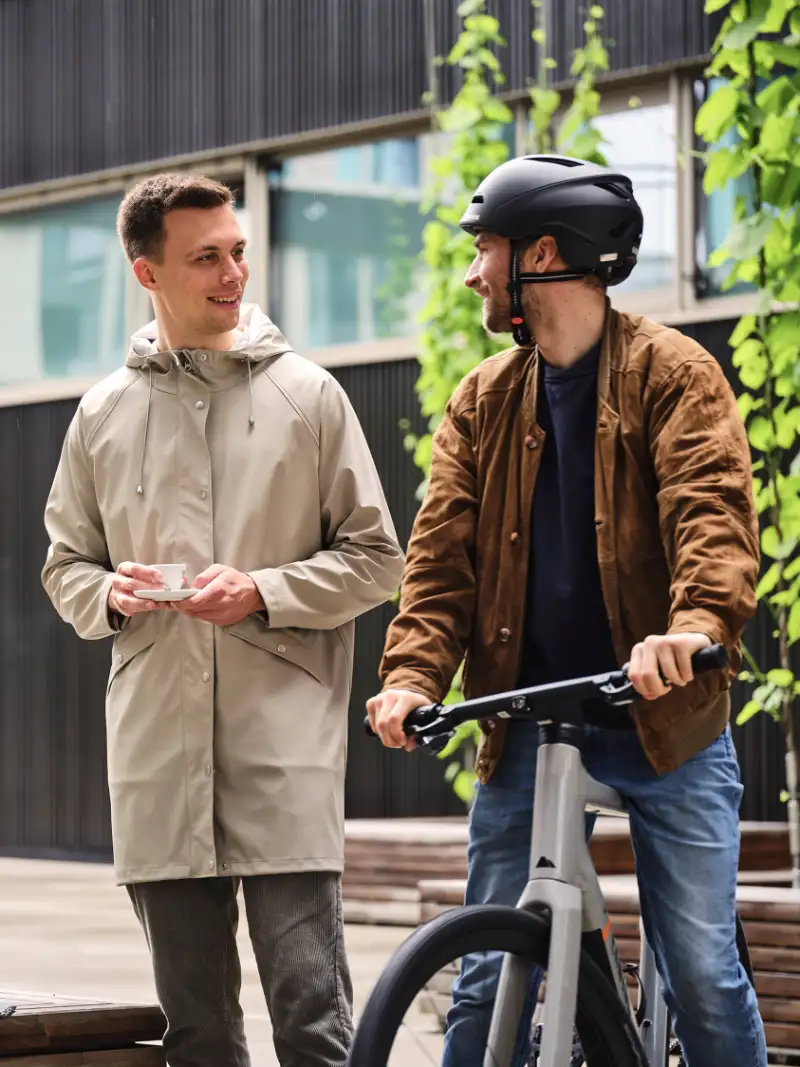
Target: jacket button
{"x": 531, "y": 443}
{"x": 203, "y": 494}
{"x": 208, "y": 770}
{"x": 211, "y": 865}
{"x": 199, "y": 405}
{"x": 281, "y": 649}
{"x": 514, "y": 538}
{"x": 505, "y": 633}
{"x": 119, "y": 657}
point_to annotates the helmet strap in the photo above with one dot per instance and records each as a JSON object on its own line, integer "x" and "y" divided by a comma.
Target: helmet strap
{"x": 519, "y": 328}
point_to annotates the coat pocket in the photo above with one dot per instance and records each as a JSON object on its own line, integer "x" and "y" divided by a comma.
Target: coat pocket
{"x": 313, "y": 651}
{"x": 128, "y": 643}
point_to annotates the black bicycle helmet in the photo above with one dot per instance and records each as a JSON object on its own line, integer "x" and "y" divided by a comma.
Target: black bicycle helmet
{"x": 589, "y": 210}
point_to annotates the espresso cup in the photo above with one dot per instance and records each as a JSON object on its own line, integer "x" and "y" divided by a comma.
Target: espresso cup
{"x": 174, "y": 574}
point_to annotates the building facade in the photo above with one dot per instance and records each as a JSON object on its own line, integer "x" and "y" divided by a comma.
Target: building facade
{"x": 313, "y": 111}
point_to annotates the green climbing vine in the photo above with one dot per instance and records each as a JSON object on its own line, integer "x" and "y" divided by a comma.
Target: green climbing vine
{"x": 750, "y": 122}
{"x": 476, "y": 125}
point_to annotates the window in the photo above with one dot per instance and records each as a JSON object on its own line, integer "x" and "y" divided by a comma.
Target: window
{"x": 62, "y": 303}
{"x": 640, "y": 142}
{"x": 346, "y": 234}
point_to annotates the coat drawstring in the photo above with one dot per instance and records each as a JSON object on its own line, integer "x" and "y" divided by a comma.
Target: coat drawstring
{"x": 140, "y": 486}
{"x": 251, "y": 420}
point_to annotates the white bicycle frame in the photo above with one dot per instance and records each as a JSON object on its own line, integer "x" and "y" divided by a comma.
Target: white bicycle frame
{"x": 563, "y": 880}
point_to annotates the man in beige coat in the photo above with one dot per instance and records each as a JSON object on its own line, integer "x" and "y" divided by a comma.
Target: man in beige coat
{"x": 217, "y": 447}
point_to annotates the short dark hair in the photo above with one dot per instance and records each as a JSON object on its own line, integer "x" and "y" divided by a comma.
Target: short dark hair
{"x": 140, "y": 221}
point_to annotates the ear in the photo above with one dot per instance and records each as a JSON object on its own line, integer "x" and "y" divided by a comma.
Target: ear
{"x": 542, "y": 256}
{"x": 143, "y": 269}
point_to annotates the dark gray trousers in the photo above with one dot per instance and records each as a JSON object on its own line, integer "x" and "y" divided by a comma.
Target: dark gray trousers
{"x": 295, "y": 924}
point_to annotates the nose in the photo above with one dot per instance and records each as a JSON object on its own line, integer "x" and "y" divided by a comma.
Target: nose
{"x": 232, "y": 271}
{"x": 473, "y": 274}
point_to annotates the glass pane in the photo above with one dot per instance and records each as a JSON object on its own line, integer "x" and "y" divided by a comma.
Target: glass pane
{"x": 62, "y": 279}
{"x": 346, "y": 234}
{"x": 640, "y": 142}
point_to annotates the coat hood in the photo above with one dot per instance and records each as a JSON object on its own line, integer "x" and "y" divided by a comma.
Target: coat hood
{"x": 260, "y": 339}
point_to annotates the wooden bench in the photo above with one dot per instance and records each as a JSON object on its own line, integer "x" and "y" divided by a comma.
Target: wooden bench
{"x": 771, "y": 919}
{"x": 59, "y": 1031}
{"x": 387, "y": 859}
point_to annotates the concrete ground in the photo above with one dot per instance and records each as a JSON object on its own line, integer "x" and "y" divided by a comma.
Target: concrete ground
{"x": 66, "y": 928}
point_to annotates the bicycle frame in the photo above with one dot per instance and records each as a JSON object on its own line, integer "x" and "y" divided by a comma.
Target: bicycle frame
{"x": 563, "y": 880}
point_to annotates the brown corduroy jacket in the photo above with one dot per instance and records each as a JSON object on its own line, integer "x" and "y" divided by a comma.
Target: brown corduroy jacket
{"x": 677, "y": 534}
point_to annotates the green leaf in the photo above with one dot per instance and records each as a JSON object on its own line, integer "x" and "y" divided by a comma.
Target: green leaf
{"x": 717, "y": 114}
{"x": 792, "y": 569}
{"x": 775, "y": 549}
{"x": 715, "y": 5}
{"x": 746, "y": 238}
{"x": 596, "y": 11}
{"x": 781, "y": 677}
{"x": 794, "y": 622}
{"x": 464, "y": 786}
{"x": 743, "y": 34}
{"x": 784, "y": 796}
{"x": 769, "y": 581}
{"x": 778, "y": 136}
{"x": 744, "y": 327}
{"x": 759, "y": 431}
{"x": 751, "y": 709}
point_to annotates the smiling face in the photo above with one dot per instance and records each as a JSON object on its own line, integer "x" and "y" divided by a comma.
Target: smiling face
{"x": 198, "y": 280}
{"x": 488, "y": 277}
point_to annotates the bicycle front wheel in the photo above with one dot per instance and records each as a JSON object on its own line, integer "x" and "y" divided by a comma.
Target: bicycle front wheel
{"x": 604, "y": 1026}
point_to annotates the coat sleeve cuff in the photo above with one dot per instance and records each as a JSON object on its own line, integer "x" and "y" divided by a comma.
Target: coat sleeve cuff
{"x": 700, "y": 621}
{"x": 416, "y": 682}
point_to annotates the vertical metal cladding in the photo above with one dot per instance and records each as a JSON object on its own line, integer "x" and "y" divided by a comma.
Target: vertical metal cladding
{"x": 87, "y": 85}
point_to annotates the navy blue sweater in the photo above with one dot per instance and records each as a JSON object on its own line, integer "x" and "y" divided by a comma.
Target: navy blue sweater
{"x": 567, "y": 633}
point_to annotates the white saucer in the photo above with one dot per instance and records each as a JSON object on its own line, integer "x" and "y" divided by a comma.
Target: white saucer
{"x": 164, "y": 594}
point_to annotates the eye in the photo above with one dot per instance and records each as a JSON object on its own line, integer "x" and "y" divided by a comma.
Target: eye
{"x": 206, "y": 258}
{"x": 238, "y": 253}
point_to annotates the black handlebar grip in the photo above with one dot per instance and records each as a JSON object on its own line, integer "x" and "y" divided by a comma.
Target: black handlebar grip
{"x": 710, "y": 659}
{"x": 416, "y": 717}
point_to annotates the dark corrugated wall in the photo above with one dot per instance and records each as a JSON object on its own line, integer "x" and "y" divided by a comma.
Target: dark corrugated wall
{"x": 52, "y": 685}
{"x": 87, "y": 85}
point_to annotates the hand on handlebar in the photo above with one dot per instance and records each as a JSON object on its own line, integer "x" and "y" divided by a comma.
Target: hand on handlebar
{"x": 664, "y": 660}
{"x": 388, "y": 711}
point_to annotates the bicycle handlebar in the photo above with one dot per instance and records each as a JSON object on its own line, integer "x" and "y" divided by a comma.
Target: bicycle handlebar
{"x": 560, "y": 700}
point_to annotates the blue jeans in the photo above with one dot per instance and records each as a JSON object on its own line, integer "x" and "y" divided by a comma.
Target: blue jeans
{"x": 685, "y": 833}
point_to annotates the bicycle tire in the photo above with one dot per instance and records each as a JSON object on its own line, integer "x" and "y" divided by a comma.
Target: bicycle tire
{"x": 603, "y": 1023}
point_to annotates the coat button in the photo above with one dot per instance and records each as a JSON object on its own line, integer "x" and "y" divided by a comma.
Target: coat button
{"x": 514, "y": 538}
{"x": 199, "y": 405}
{"x": 119, "y": 657}
{"x": 531, "y": 443}
{"x": 203, "y": 494}
{"x": 281, "y": 649}
{"x": 211, "y": 865}
{"x": 203, "y": 356}
{"x": 208, "y": 770}
{"x": 206, "y": 676}
{"x": 505, "y": 633}
{"x": 224, "y": 866}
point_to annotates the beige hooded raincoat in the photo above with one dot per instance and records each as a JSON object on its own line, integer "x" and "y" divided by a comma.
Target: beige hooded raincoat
{"x": 226, "y": 746}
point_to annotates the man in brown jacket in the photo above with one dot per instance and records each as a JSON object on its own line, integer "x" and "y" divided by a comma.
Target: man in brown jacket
{"x": 589, "y": 504}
